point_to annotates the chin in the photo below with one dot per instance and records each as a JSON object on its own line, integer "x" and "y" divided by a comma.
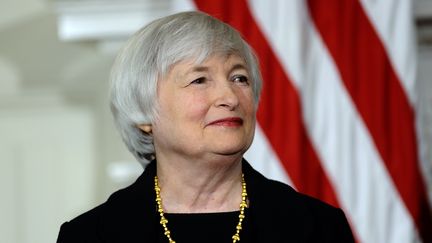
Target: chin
{"x": 231, "y": 146}
{"x": 232, "y": 150}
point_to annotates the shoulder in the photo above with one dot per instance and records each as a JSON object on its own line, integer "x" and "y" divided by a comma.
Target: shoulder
{"x": 287, "y": 199}
{"x": 265, "y": 190}
{"x": 88, "y": 226}
{"x": 83, "y": 226}
{"x": 287, "y": 195}
{"x": 268, "y": 190}
{"x": 308, "y": 219}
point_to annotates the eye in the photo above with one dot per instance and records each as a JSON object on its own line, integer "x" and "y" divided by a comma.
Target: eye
{"x": 240, "y": 79}
{"x": 200, "y": 80}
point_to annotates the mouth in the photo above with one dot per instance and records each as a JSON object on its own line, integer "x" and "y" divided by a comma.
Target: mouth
{"x": 227, "y": 122}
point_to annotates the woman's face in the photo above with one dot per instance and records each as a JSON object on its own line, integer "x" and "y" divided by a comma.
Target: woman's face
{"x": 205, "y": 109}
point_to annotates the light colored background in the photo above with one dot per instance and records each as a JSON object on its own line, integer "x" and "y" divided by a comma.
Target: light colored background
{"x": 60, "y": 154}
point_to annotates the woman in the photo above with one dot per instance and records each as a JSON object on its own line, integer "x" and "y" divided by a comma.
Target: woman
{"x": 184, "y": 95}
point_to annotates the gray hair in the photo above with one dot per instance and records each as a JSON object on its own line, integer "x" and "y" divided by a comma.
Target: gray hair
{"x": 150, "y": 53}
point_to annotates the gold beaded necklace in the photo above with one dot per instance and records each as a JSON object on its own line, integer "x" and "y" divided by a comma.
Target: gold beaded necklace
{"x": 163, "y": 221}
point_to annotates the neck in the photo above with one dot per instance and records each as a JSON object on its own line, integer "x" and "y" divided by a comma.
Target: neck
{"x": 163, "y": 221}
{"x": 192, "y": 186}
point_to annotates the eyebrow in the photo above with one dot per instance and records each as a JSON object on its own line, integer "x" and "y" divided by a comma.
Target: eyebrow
{"x": 238, "y": 66}
{"x": 199, "y": 69}
{"x": 205, "y": 68}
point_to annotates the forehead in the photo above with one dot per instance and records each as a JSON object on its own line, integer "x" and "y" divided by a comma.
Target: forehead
{"x": 191, "y": 65}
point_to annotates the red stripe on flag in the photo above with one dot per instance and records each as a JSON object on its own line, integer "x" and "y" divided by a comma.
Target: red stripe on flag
{"x": 279, "y": 114}
{"x": 379, "y": 97}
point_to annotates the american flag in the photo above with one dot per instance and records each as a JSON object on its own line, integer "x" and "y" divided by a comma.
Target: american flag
{"x": 337, "y": 116}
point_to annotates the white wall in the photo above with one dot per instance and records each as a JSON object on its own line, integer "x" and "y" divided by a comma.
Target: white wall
{"x": 46, "y": 170}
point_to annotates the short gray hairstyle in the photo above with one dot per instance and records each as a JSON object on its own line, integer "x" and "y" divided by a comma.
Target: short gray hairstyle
{"x": 148, "y": 56}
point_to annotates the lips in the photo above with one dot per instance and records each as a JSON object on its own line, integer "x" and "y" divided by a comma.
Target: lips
{"x": 228, "y": 122}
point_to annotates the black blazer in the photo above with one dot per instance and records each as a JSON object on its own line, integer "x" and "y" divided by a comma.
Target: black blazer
{"x": 277, "y": 213}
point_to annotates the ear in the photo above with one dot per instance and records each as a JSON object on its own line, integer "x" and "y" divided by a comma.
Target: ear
{"x": 147, "y": 128}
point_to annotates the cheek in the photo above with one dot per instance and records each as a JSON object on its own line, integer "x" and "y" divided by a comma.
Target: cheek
{"x": 250, "y": 110}
{"x": 248, "y": 101}
{"x": 195, "y": 105}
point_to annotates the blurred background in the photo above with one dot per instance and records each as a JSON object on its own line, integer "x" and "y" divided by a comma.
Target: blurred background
{"x": 59, "y": 151}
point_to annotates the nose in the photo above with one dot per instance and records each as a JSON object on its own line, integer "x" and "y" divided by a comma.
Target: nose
{"x": 226, "y": 96}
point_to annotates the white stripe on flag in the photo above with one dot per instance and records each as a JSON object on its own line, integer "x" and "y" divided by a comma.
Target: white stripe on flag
{"x": 395, "y": 27}
{"x": 393, "y": 23}
{"x": 345, "y": 147}
{"x": 264, "y": 159}
{"x": 396, "y": 30}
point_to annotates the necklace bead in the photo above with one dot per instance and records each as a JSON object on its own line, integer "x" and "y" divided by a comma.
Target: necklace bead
{"x": 164, "y": 222}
